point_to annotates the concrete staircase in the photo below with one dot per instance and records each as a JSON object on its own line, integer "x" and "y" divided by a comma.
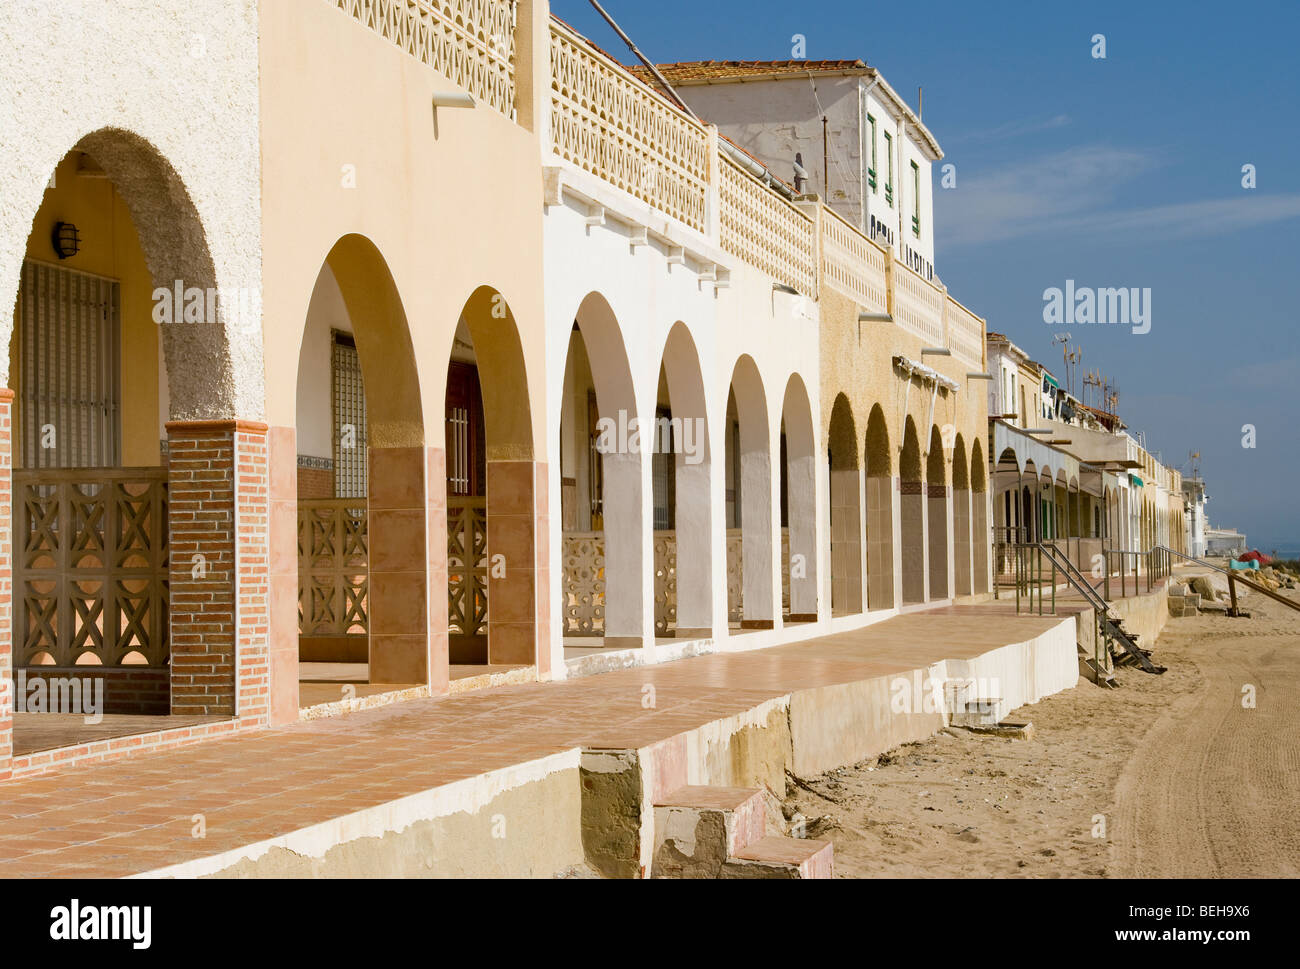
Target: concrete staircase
{"x": 721, "y": 832}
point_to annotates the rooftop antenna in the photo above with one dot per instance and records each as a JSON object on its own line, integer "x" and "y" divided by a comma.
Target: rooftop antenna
{"x": 644, "y": 60}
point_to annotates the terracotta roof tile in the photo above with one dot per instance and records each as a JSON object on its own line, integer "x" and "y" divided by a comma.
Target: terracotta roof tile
{"x": 687, "y": 71}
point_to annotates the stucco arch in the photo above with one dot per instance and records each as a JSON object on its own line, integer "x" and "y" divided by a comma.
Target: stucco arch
{"x": 801, "y": 499}
{"x": 936, "y": 509}
{"x": 845, "y": 510}
{"x": 503, "y": 375}
{"x": 692, "y": 470}
{"x": 880, "y": 511}
{"x": 962, "y": 520}
{"x": 393, "y": 409}
{"x": 912, "y": 516}
{"x": 202, "y": 358}
{"x": 979, "y": 520}
{"x": 754, "y": 493}
{"x": 626, "y": 607}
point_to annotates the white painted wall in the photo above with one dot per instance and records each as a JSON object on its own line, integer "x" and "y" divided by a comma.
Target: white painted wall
{"x": 325, "y": 312}
{"x": 648, "y": 296}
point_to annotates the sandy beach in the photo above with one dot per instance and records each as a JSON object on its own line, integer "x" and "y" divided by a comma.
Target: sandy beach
{"x": 1173, "y": 775}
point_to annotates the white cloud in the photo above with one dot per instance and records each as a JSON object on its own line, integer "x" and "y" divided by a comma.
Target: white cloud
{"x": 1032, "y": 196}
{"x": 1010, "y": 129}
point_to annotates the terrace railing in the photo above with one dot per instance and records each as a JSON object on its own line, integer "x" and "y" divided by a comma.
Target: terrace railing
{"x": 762, "y": 228}
{"x": 470, "y": 41}
{"x": 333, "y": 567}
{"x": 605, "y": 121}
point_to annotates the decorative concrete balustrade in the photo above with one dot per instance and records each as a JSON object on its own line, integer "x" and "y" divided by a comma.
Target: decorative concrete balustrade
{"x": 607, "y": 122}
{"x": 470, "y": 41}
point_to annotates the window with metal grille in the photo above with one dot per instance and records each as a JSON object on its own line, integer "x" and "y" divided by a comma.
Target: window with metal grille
{"x": 69, "y": 327}
{"x": 350, "y": 437}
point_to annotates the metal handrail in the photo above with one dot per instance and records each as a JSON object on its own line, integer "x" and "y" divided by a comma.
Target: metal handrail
{"x": 1193, "y": 558}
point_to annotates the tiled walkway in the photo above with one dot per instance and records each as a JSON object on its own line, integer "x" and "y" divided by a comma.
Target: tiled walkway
{"x": 138, "y": 814}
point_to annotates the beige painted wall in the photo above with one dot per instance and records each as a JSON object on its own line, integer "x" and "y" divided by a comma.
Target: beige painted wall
{"x": 350, "y": 144}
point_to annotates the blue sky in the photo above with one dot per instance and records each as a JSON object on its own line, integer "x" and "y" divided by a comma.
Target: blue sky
{"x": 1118, "y": 172}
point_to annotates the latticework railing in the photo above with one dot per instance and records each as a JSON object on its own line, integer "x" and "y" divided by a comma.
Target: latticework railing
{"x": 665, "y": 559}
{"x": 584, "y": 580}
{"x": 853, "y": 264}
{"x": 607, "y": 122}
{"x": 333, "y": 567}
{"x": 584, "y": 583}
{"x": 90, "y": 567}
{"x": 765, "y": 230}
{"x": 918, "y": 305}
{"x": 472, "y": 42}
{"x": 965, "y": 334}
{"x": 467, "y": 566}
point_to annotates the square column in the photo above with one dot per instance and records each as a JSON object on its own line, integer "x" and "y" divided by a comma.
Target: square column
{"x": 219, "y": 568}
{"x": 282, "y": 454}
{"x": 397, "y": 533}
{"x": 518, "y": 524}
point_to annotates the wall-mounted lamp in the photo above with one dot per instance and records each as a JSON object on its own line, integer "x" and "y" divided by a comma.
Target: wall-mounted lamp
{"x": 935, "y": 352}
{"x": 66, "y": 240}
{"x": 979, "y": 376}
{"x": 783, "y": 288}
{"x": 452, "y": 99}
{"x": 875, "y": 318}
{"x": 1036, "y": 430}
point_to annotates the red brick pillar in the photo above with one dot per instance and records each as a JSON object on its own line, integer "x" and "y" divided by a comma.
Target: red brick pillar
{"x": 6, "y": 584}
{"x": 219, "y": 568}
{"x": 518, "y": 572}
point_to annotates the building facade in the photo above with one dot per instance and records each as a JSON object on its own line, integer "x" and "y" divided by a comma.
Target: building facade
{"x": 423, "y": 337}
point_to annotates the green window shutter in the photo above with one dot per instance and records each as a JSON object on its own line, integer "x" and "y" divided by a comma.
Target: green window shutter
{"x": 871, "y": 171}
{"x": 916, "y": 199}
{"x": 889, "y": 159}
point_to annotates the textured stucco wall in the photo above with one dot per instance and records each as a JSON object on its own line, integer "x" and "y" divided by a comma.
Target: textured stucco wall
{"x": 165, "y": 98}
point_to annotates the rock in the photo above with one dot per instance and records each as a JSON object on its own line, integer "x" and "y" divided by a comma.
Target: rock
{"x": 1203, "y": 587}
{"x": 1177, "y": 589}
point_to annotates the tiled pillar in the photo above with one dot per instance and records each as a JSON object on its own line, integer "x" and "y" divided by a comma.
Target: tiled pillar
{"x": 399, "y": 585}
{"x": 846, "y": 541}
{"x": 518, "y": 569}
{"x": 961, "y": 541}
{"x": 219, "y": 558}
{"x": 6, "y": 583}
{"x": 880, "y": 543}
{"x": 435, "y": 483}
{"x": 937, "y": 540}
{"x": 282, "y": 455}
{"x": 912, "y": 501}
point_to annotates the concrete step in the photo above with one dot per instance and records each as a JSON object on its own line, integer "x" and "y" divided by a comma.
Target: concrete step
{"x": 721, "y": 832}
{"x": 778, "y": 857}
{"x": 698, "y": 828}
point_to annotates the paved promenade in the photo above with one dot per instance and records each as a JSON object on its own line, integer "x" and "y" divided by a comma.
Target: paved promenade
{"x": 138, "y": 814}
